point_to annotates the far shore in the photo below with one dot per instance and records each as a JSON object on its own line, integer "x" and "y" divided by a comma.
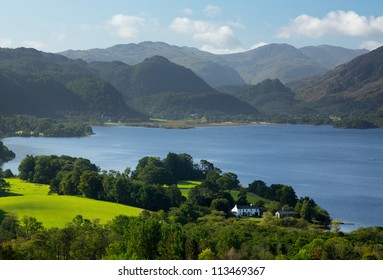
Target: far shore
{"x": 182, "y": 124}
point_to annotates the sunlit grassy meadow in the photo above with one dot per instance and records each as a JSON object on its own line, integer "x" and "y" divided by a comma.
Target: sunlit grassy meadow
{"x": 28, "y": 199}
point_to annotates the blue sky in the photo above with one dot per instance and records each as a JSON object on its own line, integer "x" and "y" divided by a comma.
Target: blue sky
{"x": 224, "y": 26}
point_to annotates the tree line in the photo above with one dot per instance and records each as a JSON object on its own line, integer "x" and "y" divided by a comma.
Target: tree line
{"x": 153, "y": 186}
{"x": 27, "y": 126}
{"x": 156, "y": 236}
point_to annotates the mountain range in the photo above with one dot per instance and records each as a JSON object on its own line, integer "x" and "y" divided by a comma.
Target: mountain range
{"x": 51, "y": 85}
{"x": 45, "y": 84}
{"x": 272, "y": 61}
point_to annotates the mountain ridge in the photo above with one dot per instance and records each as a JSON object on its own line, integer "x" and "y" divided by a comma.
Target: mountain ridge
{"x": 356, "y": 85}
{"x": 52, "y": 85}
{"x": 223, "y": 70}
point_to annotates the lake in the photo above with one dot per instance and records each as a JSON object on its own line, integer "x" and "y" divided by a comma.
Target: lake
{"x": 341, "y": 169}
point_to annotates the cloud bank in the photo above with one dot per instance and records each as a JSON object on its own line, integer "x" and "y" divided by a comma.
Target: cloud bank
{"x": 5, "y": 43}
{"x": 346, "y": 23}
{"x": 126, "y": 26}
{"x": 212, "y": 35}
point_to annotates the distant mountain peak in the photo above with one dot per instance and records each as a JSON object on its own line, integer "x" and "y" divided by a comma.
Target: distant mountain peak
{"x": 157, "y": 59}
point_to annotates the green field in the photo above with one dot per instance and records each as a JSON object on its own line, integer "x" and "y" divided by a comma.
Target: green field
{"x": 186, "y": 186}
{"x": 251, "y": 198}
{"x": 55, "y": 211}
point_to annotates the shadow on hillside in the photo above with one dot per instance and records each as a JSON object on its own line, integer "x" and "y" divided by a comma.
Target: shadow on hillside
{"x": 2, "y": 215}
{"x": 10, "y": 194}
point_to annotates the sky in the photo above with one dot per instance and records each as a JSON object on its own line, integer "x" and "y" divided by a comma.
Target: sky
{"x": 225, "y": 26}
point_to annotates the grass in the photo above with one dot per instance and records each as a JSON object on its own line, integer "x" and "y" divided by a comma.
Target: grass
{"x": 251, "y": 198}
{"x": 186, "y": 186}
{"x": 54, "y": 210}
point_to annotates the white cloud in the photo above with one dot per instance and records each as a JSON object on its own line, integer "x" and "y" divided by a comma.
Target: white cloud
{"x": 213, "y": 35}
{"x": 370, "y": 45}
{"x": 346, "y": 23}
{"x": 5, "y": 43}
{"x": 211, "y": 10}
{"x": 208, "y": 48}
{"x": 221, "y": 36}
{"x": 258, "y": 45}
{"x": 126, "y": 26}
{"x": 34, "y": 44}
{"x": 212, "y": 49}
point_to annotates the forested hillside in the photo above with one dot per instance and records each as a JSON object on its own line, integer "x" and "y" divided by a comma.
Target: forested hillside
{"x": 354, "y": 89}
{"x": 160, "y": 88}
{"x": 52, "y": 85}
{"x": 271, "y": 97}
{"x": 49, "y": 85}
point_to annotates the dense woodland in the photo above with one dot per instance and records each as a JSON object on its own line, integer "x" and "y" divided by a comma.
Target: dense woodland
{"x": 173, "y": 226}
{"x": 158, "y": 236}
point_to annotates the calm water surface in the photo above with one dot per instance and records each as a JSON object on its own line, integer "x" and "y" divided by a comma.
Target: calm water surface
{"x": 341, "y": 169}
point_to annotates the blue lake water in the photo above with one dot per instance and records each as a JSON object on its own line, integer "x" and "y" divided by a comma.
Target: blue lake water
{"x": 341, "y": 169}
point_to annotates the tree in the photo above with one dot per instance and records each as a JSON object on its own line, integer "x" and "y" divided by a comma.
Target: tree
{"x": 213, "y": 175}
{"x": 207, "y": 254}
{"x": 242, "y": 197}
{"x": 46, "y": 169}
{"x": 90, "y": 185}
{"x": 69, "y": 182}
{"x": 338, "y": 248}
{"x": 201, "y": 195}
{"x": 285, "y": 195}
{"x": 175, "y": 195}
{"x": 27, "y": 168}
{"x": 206, "y": 166}
{"x": 228, "y": 181}
{"x": 152, "y": 170}
{"x": 182, "y": 166}
{"x": 221, "y": 204}
{"x": 259, "y": 188}
{"x": 4, "y": 186}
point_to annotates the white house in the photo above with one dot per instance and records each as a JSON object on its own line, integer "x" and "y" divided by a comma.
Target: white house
{"x": 246, "y": 211}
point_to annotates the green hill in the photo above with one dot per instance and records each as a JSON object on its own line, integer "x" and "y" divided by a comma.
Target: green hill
{"x": 30, "y": 199}
{"x": 162, "y": 89}
{"x": 269, "y": 97}
{"x": 355, "y": 87}
{"x": 50, "y": 85}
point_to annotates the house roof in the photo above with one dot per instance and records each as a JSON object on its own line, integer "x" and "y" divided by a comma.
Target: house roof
{"x": 247, "y": 207}
{"x": 287, "y": 212}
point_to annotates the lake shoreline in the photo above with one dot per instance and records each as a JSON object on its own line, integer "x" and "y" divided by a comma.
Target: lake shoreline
{"x": 180, "y": 124}
{"x": 333, "y": 166}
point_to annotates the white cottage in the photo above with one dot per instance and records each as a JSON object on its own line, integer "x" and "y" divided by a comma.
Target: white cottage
{"x": 246, "y": 211}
